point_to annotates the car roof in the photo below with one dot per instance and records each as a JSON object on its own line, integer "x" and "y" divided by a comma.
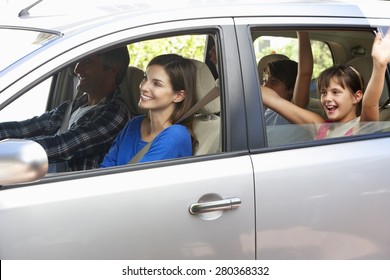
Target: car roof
{"x": 70, "y": 15}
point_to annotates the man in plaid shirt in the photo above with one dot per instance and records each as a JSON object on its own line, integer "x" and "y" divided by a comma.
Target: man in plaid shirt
{"x": 96, "y": 117}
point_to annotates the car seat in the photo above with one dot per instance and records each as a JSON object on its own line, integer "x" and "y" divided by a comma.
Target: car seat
{"x": 207, "y": 123}
{"x": 130, "y": 90}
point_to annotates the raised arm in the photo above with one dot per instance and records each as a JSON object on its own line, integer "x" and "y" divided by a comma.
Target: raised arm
{"x": 305, "y": 71}
{"x": 287, "y": 109}
{"x": 381, "y": 57}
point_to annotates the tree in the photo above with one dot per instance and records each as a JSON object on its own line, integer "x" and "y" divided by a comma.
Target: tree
{"x": 321, "y": 52}
{"x": 189, "y": 46}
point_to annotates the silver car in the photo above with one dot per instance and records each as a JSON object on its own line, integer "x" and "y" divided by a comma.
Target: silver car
{"x": 248, "y": 192}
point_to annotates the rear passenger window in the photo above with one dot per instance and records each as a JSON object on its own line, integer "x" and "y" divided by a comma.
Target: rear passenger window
{"x": 329, "y": 48}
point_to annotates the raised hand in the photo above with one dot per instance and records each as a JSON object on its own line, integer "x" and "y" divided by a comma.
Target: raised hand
{"x": 381, "y": 49}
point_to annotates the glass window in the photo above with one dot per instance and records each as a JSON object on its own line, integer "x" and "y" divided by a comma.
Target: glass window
{"x": 274, "y": 51}
{"x": 22, "y": 108}
{"x": 206, "y": 125}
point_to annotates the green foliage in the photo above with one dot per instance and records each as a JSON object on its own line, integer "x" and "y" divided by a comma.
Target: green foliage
{"x": 321, "y": 52}
{"x": 192, "y": 46}
{"x": 322, "y": 57}
{"x": 189, "y": 46}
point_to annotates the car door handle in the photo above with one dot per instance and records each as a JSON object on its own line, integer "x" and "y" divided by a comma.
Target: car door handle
{"x": 218, "y": 205}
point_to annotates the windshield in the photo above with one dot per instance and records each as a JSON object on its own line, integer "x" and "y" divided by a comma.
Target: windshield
{"x": 17, "y": 43}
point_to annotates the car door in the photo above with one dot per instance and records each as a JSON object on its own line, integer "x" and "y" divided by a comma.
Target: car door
{"x": 147, "y": 211}
{"x": 318, "y": 199}
{"x": 132, "y": 214}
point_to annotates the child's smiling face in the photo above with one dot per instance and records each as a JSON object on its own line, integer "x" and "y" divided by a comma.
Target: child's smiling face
{"x": 339, "y": 103}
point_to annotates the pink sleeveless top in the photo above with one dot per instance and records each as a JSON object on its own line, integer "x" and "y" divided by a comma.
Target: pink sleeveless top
{"x": 324, "y": 128}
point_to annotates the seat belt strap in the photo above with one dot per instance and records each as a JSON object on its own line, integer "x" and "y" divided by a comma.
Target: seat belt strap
{"x": 65, "y": 121}
{"x": 141, "y": 153}
{"x": 210, "y": 96}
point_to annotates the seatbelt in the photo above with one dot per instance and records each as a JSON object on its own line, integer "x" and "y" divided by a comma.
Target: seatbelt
{"x": 141, "y": 153}
{"x": 65, "y": 121}
{"x": 210, "y": 96}
{"x": 63, "y": 166}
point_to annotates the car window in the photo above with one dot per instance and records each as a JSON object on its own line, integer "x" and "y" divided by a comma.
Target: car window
{"x": 329, "y": 48}
{"x": 30, "y": 104}
{"x": 206, "y": 129}
{"x": 207, "y": 123}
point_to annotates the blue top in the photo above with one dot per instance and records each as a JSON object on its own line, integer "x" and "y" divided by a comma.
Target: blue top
{"x": 172, "y": 142}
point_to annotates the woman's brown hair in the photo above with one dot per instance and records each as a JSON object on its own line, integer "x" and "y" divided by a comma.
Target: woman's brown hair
{"x": 182, "y": 73}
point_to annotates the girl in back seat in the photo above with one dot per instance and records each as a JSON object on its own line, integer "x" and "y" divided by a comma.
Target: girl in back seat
{"x": 341, "y": 89}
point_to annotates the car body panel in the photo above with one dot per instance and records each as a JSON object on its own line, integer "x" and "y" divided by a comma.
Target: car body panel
{"x": 326, "y": 202}
{"x": 132, "y": 215}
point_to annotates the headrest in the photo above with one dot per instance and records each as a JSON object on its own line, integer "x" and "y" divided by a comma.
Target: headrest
{"x": 265, "y": 60}
{"x": 130, "y": 89}
{"x": 205, "y": 82}
{"x": 364, "y": 66}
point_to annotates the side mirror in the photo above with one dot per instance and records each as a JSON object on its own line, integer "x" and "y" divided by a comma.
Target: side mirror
{"x": 21, "y": 161}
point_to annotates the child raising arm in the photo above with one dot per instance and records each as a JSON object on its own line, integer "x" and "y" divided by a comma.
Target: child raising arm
{"x": 381, "y": 57}
{"x": 341, "y": 90}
